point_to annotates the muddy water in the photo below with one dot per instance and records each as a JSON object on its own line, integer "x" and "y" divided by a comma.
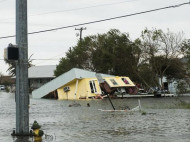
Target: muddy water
{"x": 166, "y": 120}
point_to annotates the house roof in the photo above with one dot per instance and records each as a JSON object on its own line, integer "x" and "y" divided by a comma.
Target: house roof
{"x": 63, "y": 79}
{"x": 46, "y": 71}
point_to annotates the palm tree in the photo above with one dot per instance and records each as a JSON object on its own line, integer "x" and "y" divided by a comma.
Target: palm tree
{"x": 12, "y": 66}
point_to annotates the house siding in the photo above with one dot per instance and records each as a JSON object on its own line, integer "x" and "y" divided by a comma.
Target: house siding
{"x": 83, "y": 90}
{"x": 62, "y": 95}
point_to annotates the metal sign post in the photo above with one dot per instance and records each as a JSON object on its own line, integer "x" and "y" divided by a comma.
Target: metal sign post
{"x": 105, "y": 87}
{"x": 22, "y": 94}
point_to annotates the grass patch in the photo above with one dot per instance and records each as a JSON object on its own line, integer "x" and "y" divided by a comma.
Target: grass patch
{"x": 185, "y": 104}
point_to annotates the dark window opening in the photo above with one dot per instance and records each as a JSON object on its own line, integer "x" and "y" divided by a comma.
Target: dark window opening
{"x": 92, "y": 86}
{"x": 125, "y": 81}
{"x": 113, "y": 82}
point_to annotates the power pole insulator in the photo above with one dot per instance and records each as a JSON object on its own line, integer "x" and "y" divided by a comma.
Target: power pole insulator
{"x": 80, "y": 29}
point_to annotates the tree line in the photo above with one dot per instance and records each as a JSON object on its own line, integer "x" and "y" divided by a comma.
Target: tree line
{"x": 155, "y": 54}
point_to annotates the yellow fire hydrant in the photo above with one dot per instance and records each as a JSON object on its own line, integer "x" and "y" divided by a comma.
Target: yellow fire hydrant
{"x": 37, "y": 133}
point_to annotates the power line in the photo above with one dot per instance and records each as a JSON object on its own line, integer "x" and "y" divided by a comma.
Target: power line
{"x": 45, "y": 59}
{"x": 37, "y": 59}
{"x": 85, "y": 7}
{"x": 75, "y": 9}
{"x": 103, "y": 20}
{"x": 51, "y": 58}
{"x": 2, "y": 1}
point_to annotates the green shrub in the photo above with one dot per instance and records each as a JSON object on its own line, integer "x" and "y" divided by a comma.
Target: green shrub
{"x": 181, "y": 88}
{"x": 143, "y": 113}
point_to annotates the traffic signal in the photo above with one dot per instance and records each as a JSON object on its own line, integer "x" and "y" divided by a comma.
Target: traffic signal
{"x": 11, "y": 52}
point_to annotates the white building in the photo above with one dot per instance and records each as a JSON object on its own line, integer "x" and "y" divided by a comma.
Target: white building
{"x": 171, "y": 86}
{"x": 39, "y": 75}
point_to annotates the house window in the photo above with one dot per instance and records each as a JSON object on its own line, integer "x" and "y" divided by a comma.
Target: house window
{"x": 113, "y": 82}
{"x": 92, "y": 86}
{"x": 125, "y": 81}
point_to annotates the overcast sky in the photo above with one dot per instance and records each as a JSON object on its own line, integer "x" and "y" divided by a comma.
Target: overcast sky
{"x": 47, "y": 14}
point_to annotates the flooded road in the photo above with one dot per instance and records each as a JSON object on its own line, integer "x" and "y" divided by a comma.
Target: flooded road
{"x": 166, "y": 120}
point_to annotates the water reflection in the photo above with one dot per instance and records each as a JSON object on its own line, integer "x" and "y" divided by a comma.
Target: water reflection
{"x": 22, "y": 139}
{"x": 26, "y": 139}
{"x": 165, "y": 121}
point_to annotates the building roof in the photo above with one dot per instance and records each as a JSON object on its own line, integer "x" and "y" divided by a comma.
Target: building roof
{"x": 63, "y": 79}
{"x": 46, "y": 71}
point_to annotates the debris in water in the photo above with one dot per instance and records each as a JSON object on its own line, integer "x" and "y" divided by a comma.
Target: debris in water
{"x": 74, "y": 104}
{"x": 88, "y": 105}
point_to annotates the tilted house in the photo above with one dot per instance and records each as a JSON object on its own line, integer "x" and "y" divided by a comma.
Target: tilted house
{"x": 78, "y": 84}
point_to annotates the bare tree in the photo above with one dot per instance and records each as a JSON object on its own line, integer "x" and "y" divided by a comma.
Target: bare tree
{"x": 160, "y": 48}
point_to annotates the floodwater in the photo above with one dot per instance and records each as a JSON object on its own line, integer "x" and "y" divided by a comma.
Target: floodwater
{"x": 165, "y": 120}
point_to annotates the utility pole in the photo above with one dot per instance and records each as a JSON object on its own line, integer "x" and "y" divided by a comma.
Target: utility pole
{"x": 81, "y": 29}
{"x": 22, "y": 94}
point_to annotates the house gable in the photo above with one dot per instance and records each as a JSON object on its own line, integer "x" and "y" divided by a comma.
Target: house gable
{"x": 62, "y": 80}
